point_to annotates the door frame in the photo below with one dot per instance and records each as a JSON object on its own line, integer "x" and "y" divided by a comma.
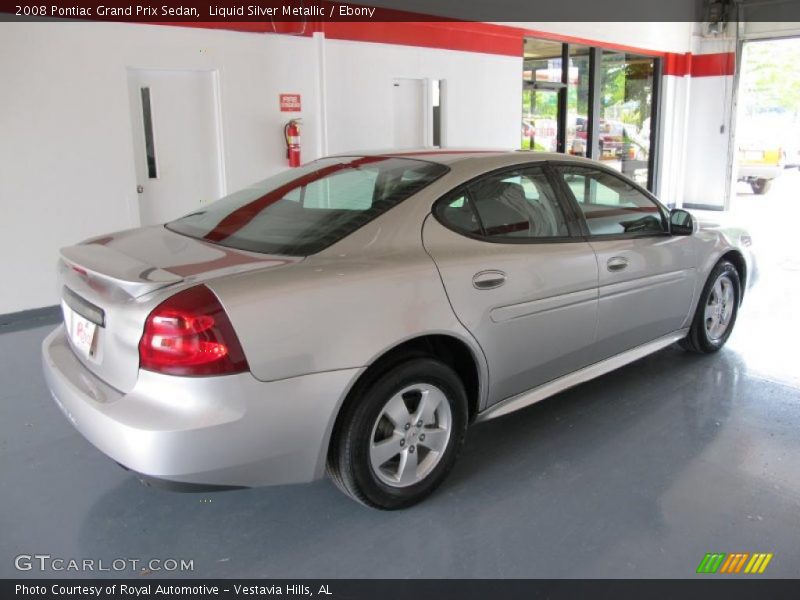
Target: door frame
{"x": 427, "y": 109}
{"x": 426, "y": 106}
{"x": 137, "y": 112}
{"x": 514, "y": 245}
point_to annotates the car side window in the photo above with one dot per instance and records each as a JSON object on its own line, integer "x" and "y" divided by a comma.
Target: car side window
{"x": 610, "y": 205}
{"x": 457, "y": 213}
{"x": 518, "y": 204}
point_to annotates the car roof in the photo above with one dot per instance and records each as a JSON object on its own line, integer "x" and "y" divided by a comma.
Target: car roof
{"x": 486, "y": 157}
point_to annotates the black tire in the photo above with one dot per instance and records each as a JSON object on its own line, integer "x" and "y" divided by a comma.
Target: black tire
{"x": 699, "y": 339}
{"x": 761, "y": 186}
{"x": 349, "y": 463}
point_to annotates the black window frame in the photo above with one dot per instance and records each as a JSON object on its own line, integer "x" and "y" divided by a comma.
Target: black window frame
{"x": 569, "y": 197}
{"x": 574, "y": 226}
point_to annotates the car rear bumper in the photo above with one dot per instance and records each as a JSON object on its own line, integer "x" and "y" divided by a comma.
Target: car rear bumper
{"x": 220, "y": 431}
{"x": 759, "y": 171}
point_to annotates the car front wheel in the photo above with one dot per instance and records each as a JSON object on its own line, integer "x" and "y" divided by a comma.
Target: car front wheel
{"x": 400, "y": 434}
{"x": 716, "y": 311}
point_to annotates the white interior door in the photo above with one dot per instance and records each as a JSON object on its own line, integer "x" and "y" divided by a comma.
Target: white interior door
{"x": 174, "y": 115}
{"x": 408, "y": 112}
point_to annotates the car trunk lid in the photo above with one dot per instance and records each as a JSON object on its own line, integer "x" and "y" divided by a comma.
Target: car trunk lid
{"x": 109, "y": 285}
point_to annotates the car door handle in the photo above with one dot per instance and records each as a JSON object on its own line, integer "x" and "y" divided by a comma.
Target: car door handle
{"x": 617, "y": 263}
{"x": 488, "y": 280}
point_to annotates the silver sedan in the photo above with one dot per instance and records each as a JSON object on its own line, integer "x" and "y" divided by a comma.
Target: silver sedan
{"x": 356, "y": 314}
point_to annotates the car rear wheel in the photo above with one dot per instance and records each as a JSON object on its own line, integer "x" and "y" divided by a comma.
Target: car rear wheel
{"x": 716, "y": 311}
{"x": 761, "y": 186}
{"x": 400, "y": 434}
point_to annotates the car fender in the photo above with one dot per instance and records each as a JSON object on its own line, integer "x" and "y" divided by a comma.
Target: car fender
{"x": 712, "y": 244}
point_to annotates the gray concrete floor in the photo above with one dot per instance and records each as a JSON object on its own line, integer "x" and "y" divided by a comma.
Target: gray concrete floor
{"x": 636, "y": 474}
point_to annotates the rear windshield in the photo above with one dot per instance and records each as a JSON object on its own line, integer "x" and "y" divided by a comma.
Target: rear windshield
{"x": 302, "y": 211}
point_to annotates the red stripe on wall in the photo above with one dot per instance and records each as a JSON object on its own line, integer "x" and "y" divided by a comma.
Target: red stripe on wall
{"x": 484, "y": 38}
{"x": 713, "y": 65}
{"x": 240, "y": 26}
{"x": 677, "y": 64}
{"x": 451, "y": 35}
{"x": 569, "y": 39}
{"x": 700, "y": 65}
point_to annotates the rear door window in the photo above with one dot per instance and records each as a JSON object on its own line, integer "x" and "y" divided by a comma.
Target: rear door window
{"x": 458, "y": 214}
{"x": 519, "y": 204}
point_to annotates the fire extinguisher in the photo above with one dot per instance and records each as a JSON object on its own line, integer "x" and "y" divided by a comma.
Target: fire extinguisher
{"x": 291, "y": 132}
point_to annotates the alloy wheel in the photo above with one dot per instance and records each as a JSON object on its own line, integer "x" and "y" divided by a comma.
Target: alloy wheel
{"x": 410, "y": 435}
{"x": 719, "y": 308}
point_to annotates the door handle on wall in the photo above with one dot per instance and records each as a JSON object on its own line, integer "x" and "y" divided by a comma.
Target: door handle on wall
{"x": 617, "y": 263}
{"x": 488, "y": 280}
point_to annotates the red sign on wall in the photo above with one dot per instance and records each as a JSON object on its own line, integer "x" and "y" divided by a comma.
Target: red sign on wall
{"x": 290, "y": 102}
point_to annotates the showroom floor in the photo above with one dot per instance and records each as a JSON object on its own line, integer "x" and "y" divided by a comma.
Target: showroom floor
{"x": 636, "y": 474}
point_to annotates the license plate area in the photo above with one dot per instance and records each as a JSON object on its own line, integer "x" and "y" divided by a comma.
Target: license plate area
{"x": 81, "y": 331}
{"x": 82, "y": 320}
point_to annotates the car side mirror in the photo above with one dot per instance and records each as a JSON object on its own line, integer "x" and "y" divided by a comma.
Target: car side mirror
{"x": 680, "y": 222}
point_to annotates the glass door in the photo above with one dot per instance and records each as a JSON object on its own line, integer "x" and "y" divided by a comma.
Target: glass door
{"x": 539, "y": 118}
{"x": 626, "y": 110}
{"x": 543, "y": 89}
{"x": 578, "y": 76}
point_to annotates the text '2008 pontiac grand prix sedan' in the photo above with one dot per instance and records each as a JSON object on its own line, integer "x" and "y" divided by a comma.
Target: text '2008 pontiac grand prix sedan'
{"x": 354, "y": 315}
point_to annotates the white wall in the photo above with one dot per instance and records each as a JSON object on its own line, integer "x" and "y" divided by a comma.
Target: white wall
{"x": 66, "y": 148}
{"x": 482, "y": 99}
{"x": 709, "y": 129}
{"x": 708, "y": 141}
{"x": 675, "y": 112}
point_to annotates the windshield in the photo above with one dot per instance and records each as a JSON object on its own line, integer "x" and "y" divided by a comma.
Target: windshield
{"x": 304, "y": 210}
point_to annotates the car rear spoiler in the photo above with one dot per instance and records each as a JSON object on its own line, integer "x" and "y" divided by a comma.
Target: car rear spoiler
{"x": 133, "y": 276}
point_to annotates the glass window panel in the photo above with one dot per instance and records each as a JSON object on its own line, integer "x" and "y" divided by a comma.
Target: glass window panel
{"x": 542, "y": 60}
{"x": 624, "y": 93}
{"x": 625, "y": 112}
{"x": 458, "y": 214}
{"x": 518, "y": 205}
{"x": 436, "y": 86}
{"x": 578, "y": 100}
{"x": 542, "y": 66}
{"x": 610, "y": 205}
{"x": 149, "y": 143}
{"x": 540, "y": 120}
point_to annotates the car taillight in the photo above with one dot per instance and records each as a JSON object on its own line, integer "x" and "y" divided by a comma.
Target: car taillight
{"x": 189, "y": 334}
